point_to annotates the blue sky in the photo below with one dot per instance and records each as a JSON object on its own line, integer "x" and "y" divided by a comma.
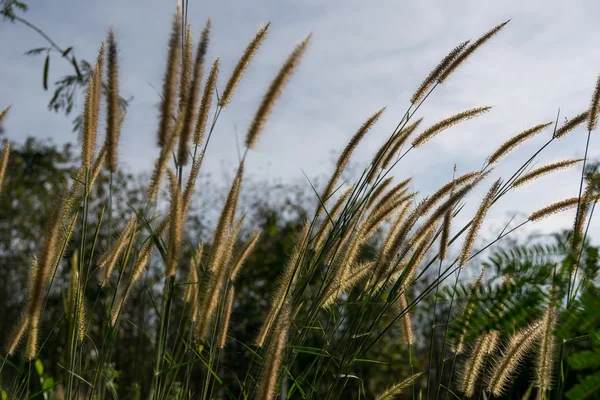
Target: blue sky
{"x": 362, "y": 56}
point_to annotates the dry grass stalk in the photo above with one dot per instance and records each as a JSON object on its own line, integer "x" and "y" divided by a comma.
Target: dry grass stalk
{"x": 274, "y": 355}
{"x": 273, "y": 93}
{"x": 284, "y": 286}
{"x": 476, "y": 224}
{"x": 436, "y": 72}
{"x": 594, "y": 108}
{"x": 554, "y": 208}
{"x": 92, "y": 111}
{"x": 462, "y": 56}
{"x": 345, "y": 156}
{"x": 474, "y": 364}
{"x": 228, "y": 307}
{"x": 518, "y": 345}
{"x": 4, "y": 162}
{"x": 391, "y": 392}
{"x": 513, "y": 142}
{"x": 356, "y": 274}
{"x": 571, "y": 124}
{"x": 242, "y": 65}
{"x": 176, "y": 226}
{"x": 167, "y": 107}
{"x": 205, "y": 104}
{"x": 398, "y": 141}
{"x": 546, "y": 169}
{"x": 447, "y": 123}
{"x": 110, "y": 258}
{"x": 112, "y": 104}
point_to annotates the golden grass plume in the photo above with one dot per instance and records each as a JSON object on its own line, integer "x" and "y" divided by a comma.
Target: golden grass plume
{"x": 447, "y": 123}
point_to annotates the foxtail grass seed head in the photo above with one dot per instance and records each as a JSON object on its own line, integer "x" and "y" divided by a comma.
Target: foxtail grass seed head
{"x": 594, "y": 108}
{"x": 474, "y": 364}
{"x": 17, "y": 334}
{"x": 167, "y": 107}
{"x": 273, "y": 93}
{"x": 571, "y": 124}
{"x": 176, "y": 226}
{"x": 4, "y": 162}
{"x": 447, "y": 123}
{"x": 273, "y": 357}
{"x": 378, "y": 191}
{"x": 110, "y": 259}
{"x": 92, "y": 111}
{"x": 243, "y": 255}
{"x": 345, "y": 156}
{"x": 477, "y": 221}
{"x": 446, "y": 225}
{"x": 185, "y": 79}
{"x": 405, "y": 321}
{"x": 4, "y": 113}
{"x": 545, "y": 356}
{"x": 112, "y": 104}
{"x": 205, "y": 104}
{"x": 514, "y": 353}
{"x": 581, "y": 217}
{"x": 466, "y": 53}
{"x": 447, "y": 188}
{"x": 192, "y": 99}
{"x": 546, "y": 169}
{"x": 435, "y": 73}
{"x": 396, "y": 389}
{"x": 515, "y": 141}
{"x": 554, "y": 208}
{"x": 242, "y": 65}
{"x": 399, "y": 139}
{"x": 229, "y": 298}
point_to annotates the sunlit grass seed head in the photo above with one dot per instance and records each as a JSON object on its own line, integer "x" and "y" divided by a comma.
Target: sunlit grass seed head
{"x": 571, "y": 124}
{"x": 205, "y": 104}
{"x": 594, "y": 108}
{"x": 112, "y": 104}
{"x": 447, "y": 123}
{"x": 516, "y": 140}
{"x": 554, "y": 208}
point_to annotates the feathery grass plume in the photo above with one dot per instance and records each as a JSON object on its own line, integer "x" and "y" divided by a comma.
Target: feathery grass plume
{"x": 571, "y": 124}
{"x": 384, "y": 250}
{"x": 447, "y": 123}
{"x": 242, "y": 65}
{"x": 110, "y": 258}
{"x": 21, "y": 328}
{"x": 581, "y": 216}
{"x": 594, "y": 108}
{"x": 405, "y": 321}
{"x": 516, "y": 140}
{"x": 345, "y": 156}
{"x": 46, "y": 262}
{"x": 77, "y": 312}
{"x": 554, "y": 208}
{"x": 218, "y": 255}
{"x": 545, "y": 356}
{"x": 176, "y": 226}
{"x": 459, "y": 347}
{"x": 518, "y": 345}
{"x": 4, "y": 162}
{"x": 477, "y": 221}
{"x": 160, "y": 165}
{"x": 399, "y": 139}
{"x": 190, "y": 185}
{"x": 355, "y": 276}
{"x": 147, "y": 250}
{"x": 321, "y": 235}
{"x": 209, "y": 88}
{"x": 92, "y": 111}
{"x": 422, "y": 245}
{"x": 185, "y": 84}
{"x": 273, "y": 93}
{"x": 474, "y": 364}
{"x": 383, "y": 211}
{"x": 192, "y": 279}
{"x": 447, "y": 188}
{"x": 193, "y": 96}
{"x": 378, "y": 191}
{"x": 394, "y": 193}
{"x": 435, "y": 73}
{"x": 397, "y": 388}
{"x": 112, "y": 103}
{"x": 274, "y": 354}
{"x": 229, "y": 298}
{"x": 546, "y": 169}
{"x": 167, "y": 107}
{"x": 463, "y": 55}
{"x": 284, "y": 285}
{"x": 4, "y": 113}
{"x": 446, "y": 225}
{"x": 243, "y": 255}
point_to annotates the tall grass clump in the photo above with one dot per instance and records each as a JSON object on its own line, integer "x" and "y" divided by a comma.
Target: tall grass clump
{"x": 364, "y": 268}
